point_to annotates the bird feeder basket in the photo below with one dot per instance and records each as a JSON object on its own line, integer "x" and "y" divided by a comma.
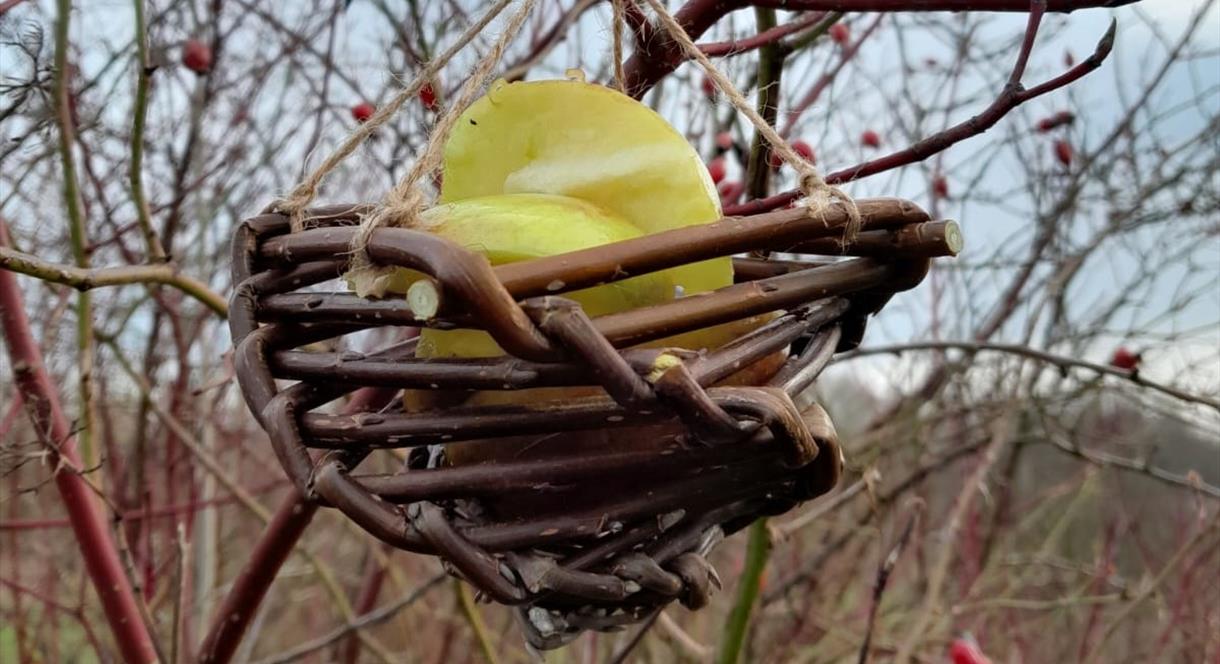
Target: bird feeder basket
{"x": 600, "y": 536}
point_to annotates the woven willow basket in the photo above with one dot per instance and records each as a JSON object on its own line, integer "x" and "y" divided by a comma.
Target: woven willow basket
{"x": 599, "y": 536}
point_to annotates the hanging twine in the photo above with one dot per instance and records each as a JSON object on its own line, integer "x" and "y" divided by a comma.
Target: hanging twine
{"x": 401, "y": 207}
{"x": 620, "y": 78}
{"x": 304, "y": 193}
{"x": 818, "y": 194}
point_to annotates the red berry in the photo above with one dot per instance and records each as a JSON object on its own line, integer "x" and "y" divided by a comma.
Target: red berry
{"x": 840, "y": 33}
{"x": 717, "y": 169}
{"x": 196, "y": 56}
{"x": 774, "y": 160}
{"x": 802, "y": 148}
{"x": 1125, "y": 359}
{"x": 724, "y": 140}
{"x": 427, "y": 97}
{"x": 1063, "y": 152}
{"x": 870, "y": 138}
{"x": 709, "y": 87}
{"x": 940, "y": 186}
{"x": 1056, "y": 120}
{"x": 363, "y": 111}
{"x": 730, "y": 191}
{"x": 1068, "y": 58}
{"x": 964, "y": 652}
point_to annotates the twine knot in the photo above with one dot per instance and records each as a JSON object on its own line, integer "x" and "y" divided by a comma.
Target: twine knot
{"x": 819, "y": 195}
{"x": 400, "y": 209}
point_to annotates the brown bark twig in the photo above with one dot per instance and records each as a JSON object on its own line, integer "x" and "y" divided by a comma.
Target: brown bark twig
{"x": 1013, "y": 95}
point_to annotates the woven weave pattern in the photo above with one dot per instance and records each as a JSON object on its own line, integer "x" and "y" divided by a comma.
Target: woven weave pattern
{"x": 624, "y": 530}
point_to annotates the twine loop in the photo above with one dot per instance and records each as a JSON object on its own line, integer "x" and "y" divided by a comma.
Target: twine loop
{"x": 817, "y": 193}
{"x": 298, "y": 200}
{"x": 401, "y": 206}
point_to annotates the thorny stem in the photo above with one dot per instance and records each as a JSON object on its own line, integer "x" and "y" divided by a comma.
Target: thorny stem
{"x": 244, "y": 498}
{"x": 883, "y": 577}
{"x": 144, "y": 72}
{"x": 815, "y": 92}
{"x": 209, "y": 462}
{"x": 370, "y": 619}
{"x": 655, "y": 59}
{"x": 1151, "y": 587}
{"x": 765, "y": 37}
{"x": 77, "y": 233}
{"x": 1002, "y": 436}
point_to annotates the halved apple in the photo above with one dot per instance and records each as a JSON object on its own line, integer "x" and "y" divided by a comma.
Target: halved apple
{"x": 572, "y": 138}
{"x": 540, "y": 168}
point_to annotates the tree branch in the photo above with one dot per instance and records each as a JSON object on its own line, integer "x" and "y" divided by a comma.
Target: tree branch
{"x": 85, "y": 279}
{"x": 1012, "y": 96}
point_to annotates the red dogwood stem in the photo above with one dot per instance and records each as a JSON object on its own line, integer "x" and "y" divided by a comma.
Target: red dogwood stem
{"x": 98, "y": 549}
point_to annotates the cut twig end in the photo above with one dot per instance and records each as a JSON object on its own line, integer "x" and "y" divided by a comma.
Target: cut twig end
{"x": 954, "y": 241}
{"x": 424, "y": 299}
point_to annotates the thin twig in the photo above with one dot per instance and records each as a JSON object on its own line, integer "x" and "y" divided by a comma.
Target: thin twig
{"x": 213, "y": 466}
{"x": 883, "y": 577}
{"x": 367, "y": 620}
{"x": 1001, "y": 438}
{"x": 1151, "y": 586}
{"x": 145, "y": 69}
{"x": 783, "y": 531}
{"x": 1009, "y": 98}
{"x": 1032, "y": 353}
{"x": 86, "y": 279}
{"x": 78, "y": 236}
{"x": 687, "y": 647}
